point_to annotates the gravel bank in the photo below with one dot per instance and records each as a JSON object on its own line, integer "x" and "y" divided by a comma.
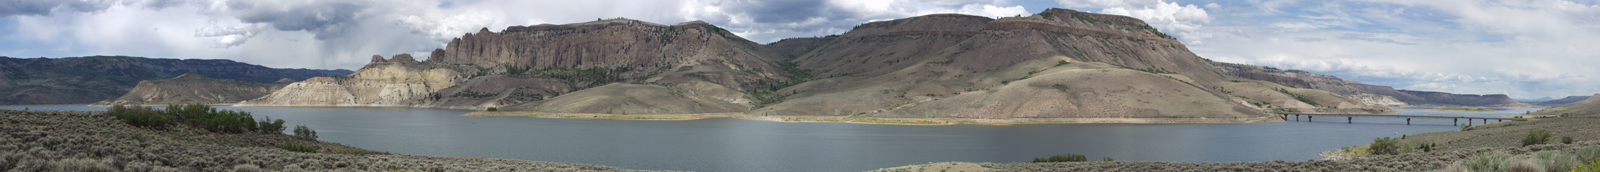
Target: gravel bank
{"x": 93, "y": 141}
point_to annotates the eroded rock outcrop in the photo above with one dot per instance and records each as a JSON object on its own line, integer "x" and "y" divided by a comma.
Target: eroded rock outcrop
{"x": 400, "y": 81}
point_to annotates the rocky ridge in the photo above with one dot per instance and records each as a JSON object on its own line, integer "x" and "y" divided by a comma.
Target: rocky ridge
{"x": 83, "y": 80}
{"x": 194, "y": 88}
{"x": 1559, "y": 102}
{"x": 1367, "y": 93}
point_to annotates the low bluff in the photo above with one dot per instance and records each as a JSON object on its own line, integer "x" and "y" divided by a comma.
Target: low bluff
{"x": 194, "y": 88}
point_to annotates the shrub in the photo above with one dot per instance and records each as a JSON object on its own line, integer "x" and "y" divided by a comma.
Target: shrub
{"x": 305, "y": 133}
{"x": 1108, "y": 159}
{"x": 297, "y": 148}
{"x": 1489, "y": 161}
{"x": 1465, "y": 127}
{"x": 1384, "y": 146}
{"x": 1062, "y": 158}
{"x": 141, "y": 116}
{"x": 1525, "y": 165}
{"x": 204, "y": 116}
{"x": 492, "y": 109}
{"x": 1589, "y": 153}
{"x": 1555, "y": 161}
{"x": 1593, "y": 166}
{"x": 1537, "y": 136}
{"x": 268, "y": 125}
{"x": 1566, "y": 139}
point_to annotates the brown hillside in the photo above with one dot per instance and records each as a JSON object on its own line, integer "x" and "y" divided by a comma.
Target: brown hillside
{"x": 1010, "y": 68}
{"x": 193, "y": 88}
{"x": 794, "y": 47}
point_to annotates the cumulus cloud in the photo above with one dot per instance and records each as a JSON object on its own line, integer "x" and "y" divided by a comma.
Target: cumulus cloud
{"x": 1526, "y": 49}
{"x": 229, "y": 36}
{"x": 1181, "y": 21}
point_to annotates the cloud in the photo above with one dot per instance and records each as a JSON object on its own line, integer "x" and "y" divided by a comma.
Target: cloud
{"x": 46, "y": 7}
{"x": 325, "y": 18}
{"x": 1182, "y": 21}
{"x": 229, "y": 36}
{"x": 1370, "y": 38}
{"x": 1520, "y": 48}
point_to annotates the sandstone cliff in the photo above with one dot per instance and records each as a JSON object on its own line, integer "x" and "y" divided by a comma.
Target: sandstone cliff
{"x": 400, "y": 81}
{"x": 193, "y": 88}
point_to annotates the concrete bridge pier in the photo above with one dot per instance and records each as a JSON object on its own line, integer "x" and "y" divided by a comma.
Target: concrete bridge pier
{"x": 1349, "y": 120}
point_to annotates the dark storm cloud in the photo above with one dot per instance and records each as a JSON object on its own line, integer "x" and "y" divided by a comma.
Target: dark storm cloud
{"x": 159, "y": 4}
{"x": 785, "y": 11}
{"x": 10, "y": 8}
{"x": 326, "y": 19}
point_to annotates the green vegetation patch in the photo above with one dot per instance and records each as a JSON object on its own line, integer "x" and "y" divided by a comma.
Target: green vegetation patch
{"x": 1062, "y": 158}
{"x": 1301, "y": 98}
{"x": 198, "y": 115}
{"x": 297, "y": 148}
{"x": 1536, "y": 136}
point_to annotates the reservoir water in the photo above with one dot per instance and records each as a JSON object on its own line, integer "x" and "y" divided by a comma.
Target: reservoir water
{"x": 724, "y": 144}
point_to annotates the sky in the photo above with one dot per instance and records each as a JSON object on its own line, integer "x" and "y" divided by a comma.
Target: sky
{"x": 1523, "y": 48}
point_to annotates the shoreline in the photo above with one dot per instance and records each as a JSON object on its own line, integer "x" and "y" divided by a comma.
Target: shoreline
{"x": 875, "y": 120}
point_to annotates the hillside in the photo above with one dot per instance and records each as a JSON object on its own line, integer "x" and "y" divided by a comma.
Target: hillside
{"x": 1367, "y": 93}
{"x": 83, "y": 80}
{"x": 194, "y": 88}
{"x": 1059, "y": 64}
{"x": 1056, "y": 64}
{"x": 1559, "y": 102}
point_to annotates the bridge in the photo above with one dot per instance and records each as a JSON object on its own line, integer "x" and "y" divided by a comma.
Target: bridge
{"x": 1350, "y": 118}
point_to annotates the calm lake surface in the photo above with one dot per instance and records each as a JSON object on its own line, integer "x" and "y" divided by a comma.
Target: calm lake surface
{"x": 724, "y": 144}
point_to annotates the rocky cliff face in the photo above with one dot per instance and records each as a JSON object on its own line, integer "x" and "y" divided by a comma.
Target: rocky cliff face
{"x": 1367, "y": 93}
{"x": 400, "y": 81}
{"x": 193, "y": 88}
{"x": 81, "y": 80}
{"x": 629, "y": 49}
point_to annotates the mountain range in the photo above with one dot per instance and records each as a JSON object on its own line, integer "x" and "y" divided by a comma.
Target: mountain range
{"x": 1052, "y": 65}
{"x": 82, "y": 80}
